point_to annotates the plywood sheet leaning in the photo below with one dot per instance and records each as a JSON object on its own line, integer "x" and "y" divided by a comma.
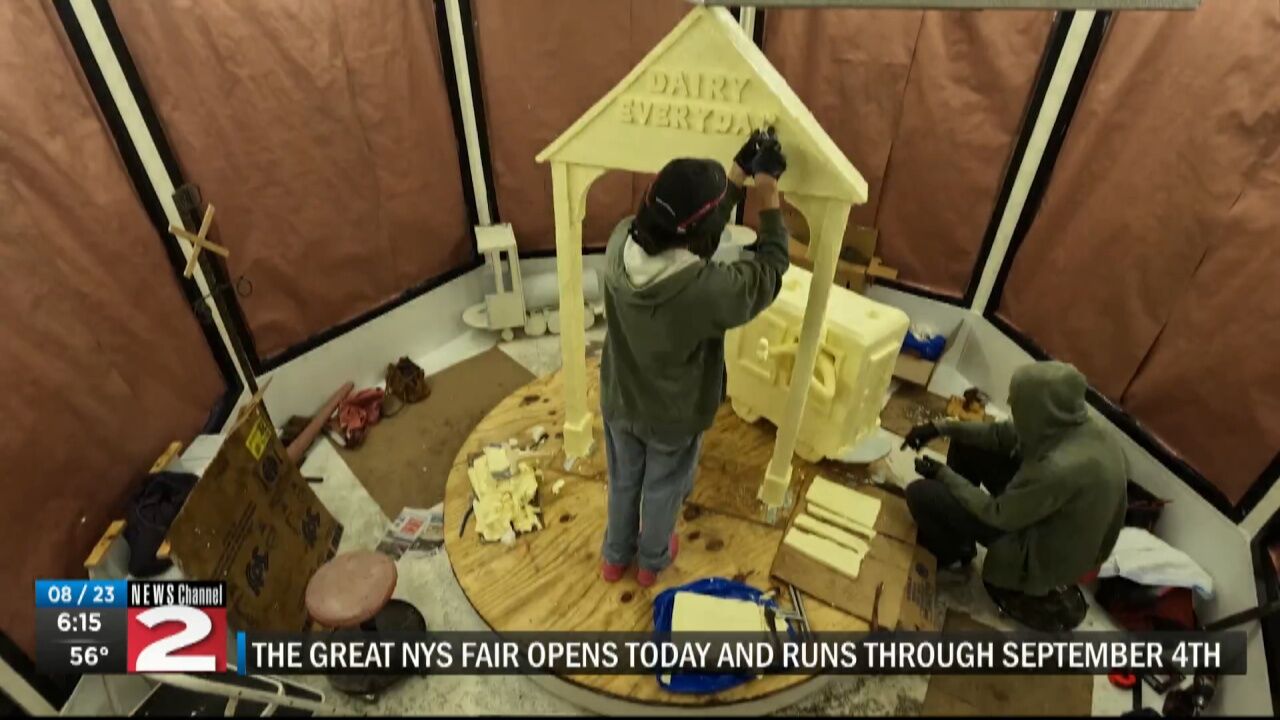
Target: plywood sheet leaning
{"x": 253, "y": 522}
{"x": 700, "y": 92}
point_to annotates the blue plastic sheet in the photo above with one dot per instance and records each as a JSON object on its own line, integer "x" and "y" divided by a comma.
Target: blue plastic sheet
{"x": 929, "y": 348}
{"x": 663, "y": 606}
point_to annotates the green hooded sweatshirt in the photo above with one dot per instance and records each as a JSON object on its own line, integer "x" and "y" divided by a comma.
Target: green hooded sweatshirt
{"x": 663, "y": 365}
{"x": 1063, "y": 510}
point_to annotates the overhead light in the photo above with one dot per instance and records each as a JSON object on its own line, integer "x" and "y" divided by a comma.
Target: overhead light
{"x": 969, "y": 4}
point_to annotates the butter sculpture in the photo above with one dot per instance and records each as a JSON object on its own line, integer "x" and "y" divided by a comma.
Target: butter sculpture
{"x": 843, "y": 560}
{"x": 826, "y": 516}
{"x": 856, "y": 354}
{"x": 814, "y": 526}
{"x": 695, "y": 612}
{"x": 849, "y": 504}
{"x": 505, "y": 493}
{"x": 699, "y": 93}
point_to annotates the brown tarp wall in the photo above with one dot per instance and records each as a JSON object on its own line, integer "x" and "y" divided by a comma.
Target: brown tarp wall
{"x": 542, "y": 64}
{"x": 103, "y": 362}
{"x": 321, "y": 131}
{"x": 1153, "y": 260}
{"x": 927, "y": 105}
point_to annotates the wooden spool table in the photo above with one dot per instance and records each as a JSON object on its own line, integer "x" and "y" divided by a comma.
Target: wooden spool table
{"x": 550, "y": 579}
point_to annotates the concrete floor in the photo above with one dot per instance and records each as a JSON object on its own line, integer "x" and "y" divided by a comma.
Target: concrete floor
{"x": 427, "y": 581}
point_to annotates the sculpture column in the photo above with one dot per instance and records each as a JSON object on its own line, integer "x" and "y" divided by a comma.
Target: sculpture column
{"x": 569, "y": 186}
{"x": 827, "y": 219}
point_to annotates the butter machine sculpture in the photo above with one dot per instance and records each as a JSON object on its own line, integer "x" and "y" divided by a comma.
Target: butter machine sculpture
{"x": 699, "y": 93}
{"x": 857, "y": 350}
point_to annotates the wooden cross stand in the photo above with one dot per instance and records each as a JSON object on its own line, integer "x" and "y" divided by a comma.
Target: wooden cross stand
{"x": 198, "y": 241}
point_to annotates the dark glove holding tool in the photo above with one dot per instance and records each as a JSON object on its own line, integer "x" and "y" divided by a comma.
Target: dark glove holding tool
{"x": 769, "y": 159}
{"x": 928, "y": 467}
{"x": 921, "y": 435}
{"x": 746, "y": 156}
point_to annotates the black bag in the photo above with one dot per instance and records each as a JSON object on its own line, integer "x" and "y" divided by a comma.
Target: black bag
{"x": 149, "y": 516}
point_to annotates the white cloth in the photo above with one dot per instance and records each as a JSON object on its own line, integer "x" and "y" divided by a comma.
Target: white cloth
{"x": 644, "y": 269}
{"x": 1144, "y": 558}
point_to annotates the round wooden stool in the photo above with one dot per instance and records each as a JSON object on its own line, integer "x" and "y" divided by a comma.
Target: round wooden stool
{"x": 353, "y": 592}
{"x": 350, "y": 590}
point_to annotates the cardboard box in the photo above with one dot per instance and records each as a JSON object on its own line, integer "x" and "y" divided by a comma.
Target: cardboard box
{"x": 915, "y": 369}
{"x": 857, "y": 267}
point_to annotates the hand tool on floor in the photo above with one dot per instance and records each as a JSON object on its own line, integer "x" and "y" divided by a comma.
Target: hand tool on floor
{"x": 875, "y": 608}
{"x": 471, "y": 509}
{"x": 797, "y": 602}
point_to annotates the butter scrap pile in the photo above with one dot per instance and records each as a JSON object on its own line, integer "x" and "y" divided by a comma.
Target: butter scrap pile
{"x": 837, "y": 526}
{"x": 505, "y": 494}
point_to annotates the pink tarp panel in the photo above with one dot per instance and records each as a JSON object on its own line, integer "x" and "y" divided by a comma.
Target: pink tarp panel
{"x": 927, "y": 105}
{"x": 965, "y": 99}
{"x": 850, "y": 68}
{"x": 1148, "y": 261}
{"x": 543, "y": 64}
{"x": 321, "y": 132}
{"x": 103, "y": 362}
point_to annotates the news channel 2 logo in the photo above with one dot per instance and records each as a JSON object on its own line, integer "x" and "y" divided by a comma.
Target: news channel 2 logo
{"x": 118, "y": 626}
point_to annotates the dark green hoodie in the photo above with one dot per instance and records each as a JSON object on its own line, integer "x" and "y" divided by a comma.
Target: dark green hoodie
{"x": 1063, "y": 510}
{"x": 663, "y": 364}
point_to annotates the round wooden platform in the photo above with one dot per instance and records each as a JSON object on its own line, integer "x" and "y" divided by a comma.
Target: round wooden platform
{"x": 550, "y": 579}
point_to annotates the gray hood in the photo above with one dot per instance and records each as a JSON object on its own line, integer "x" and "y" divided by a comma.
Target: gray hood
{"x": 637, "y": 278}
{"x": 1046, "y": 400}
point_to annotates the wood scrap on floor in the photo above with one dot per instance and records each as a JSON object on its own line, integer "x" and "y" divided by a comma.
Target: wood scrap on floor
{"x": 972, "y": 405}
{"x": 1005, "y": 695}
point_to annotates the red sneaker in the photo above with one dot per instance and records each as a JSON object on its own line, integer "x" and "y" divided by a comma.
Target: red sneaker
{"x": 645, "y": 578}
{"x": 611, "y": 572}
{"x": 674, "y": 546}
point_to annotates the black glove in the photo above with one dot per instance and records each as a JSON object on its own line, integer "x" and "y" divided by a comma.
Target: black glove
{"x": 746, "y": 156}
{"x": 921, "y": 435}
{"x": 769, "y": 158}
{"x": 928, "y": 467}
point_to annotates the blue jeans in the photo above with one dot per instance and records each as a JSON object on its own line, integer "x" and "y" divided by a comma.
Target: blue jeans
{"x": 649, "y": 480}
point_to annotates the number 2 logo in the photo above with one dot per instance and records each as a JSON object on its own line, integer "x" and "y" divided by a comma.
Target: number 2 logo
{"x": 156, "y": 653}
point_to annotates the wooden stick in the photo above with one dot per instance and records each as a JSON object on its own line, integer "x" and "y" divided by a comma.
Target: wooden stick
{"x": 299, "y": 446}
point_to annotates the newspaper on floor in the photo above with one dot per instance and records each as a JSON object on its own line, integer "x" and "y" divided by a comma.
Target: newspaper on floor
{"x": 414, "y": 529}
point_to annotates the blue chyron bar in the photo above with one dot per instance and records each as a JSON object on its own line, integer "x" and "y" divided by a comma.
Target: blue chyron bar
{"x": 967, "y": 4}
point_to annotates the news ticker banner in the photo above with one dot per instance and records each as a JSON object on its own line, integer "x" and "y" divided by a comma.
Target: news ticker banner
{"x": 156, "y": 627}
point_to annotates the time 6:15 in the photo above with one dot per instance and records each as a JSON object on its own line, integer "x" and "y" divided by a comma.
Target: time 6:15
{"x": 79, "y": 622}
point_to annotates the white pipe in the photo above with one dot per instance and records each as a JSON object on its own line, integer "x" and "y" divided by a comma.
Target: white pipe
{"x": 1026, "y": 173}
{"x": 747, "y": 19}
{"x": 213, "y": 687}
{"x": 122, "y": 95}
{"x": 462, "y": 73}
